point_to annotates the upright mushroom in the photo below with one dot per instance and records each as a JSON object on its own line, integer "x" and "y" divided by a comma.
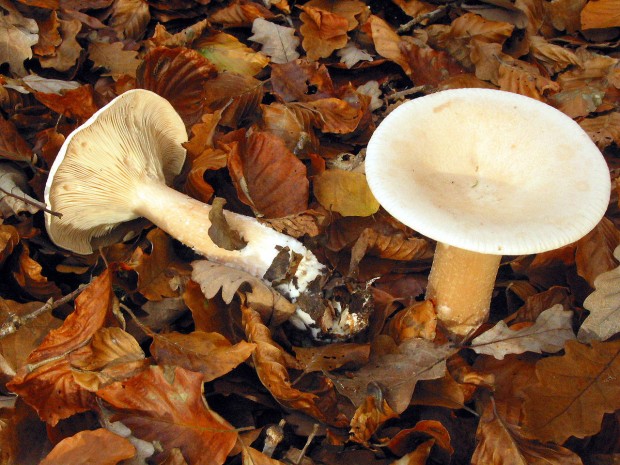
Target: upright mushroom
{"x": 116, "y": 168}
{"x": 485, "y": 173}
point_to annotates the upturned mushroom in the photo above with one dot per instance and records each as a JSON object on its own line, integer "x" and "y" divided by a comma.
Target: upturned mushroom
{"x": 117, "y": 167}
{"x": 485, "y": 173}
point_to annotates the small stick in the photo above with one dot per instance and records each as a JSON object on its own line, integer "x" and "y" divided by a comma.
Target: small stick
{"x": 302, "y": 453}
{"x": 431, "y": 16}
{"x": 14, "y": 322}
{"x": 35, "y": 203}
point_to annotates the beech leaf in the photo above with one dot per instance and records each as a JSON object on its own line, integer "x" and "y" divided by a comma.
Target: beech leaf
{"x": 17, "y": 35}
{"x": 604, "y": 306}
{"x": 278, "y": 42}
{"x": 167, "y": 405}
{"x": 573, "y": 392}
{"x": 220, "y": 231}
{"x": 549, "y": 333}
{"x": 345, "y": 192}
{"x": 212, "y": 277}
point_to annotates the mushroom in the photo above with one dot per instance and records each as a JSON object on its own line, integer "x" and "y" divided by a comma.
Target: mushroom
{"x": 117, "y": 167}
{"x": 485, "y": 173}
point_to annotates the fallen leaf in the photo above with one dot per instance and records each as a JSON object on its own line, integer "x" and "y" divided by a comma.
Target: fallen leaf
{"x": 167, "y": 405}
{"x": 573, "y": 392}
{"x": 208, "y": 353}
{"x": 227, "y": 53}
{"x": 13, "y": 197}
{"x": 85, "y": 448}
{"x": 220, "y": 232}
{"x": 278, "y": 42}
{"x": 212, "y": 277}
{"x": 114, "y": 59}
{"x": 270, "y": 367}
{"x": 30, "y": 278}
{"x": 19, "y": 34}
{"x": 604, "y": 307}
{"x": 600, "y": 14}
{"x": 604, "y": 130}
{"x": 268, "y": 177}
{"x": 554, "y": 57}
{"x": 418, "y": 320}
{"x": 595, "y": 251}
{"x": 301, "y": 81}
{"x": 550, "y": 332}
{"x": 9, "y": 238}
{"x": 387, "y": 42}
{"x": 397, "y": 368}
{"x": 49, "y": 36}
{"x": 69, "y": 50}
{"x": 368, "y": 418}
{"x": 333, "y": 356}
{"x": 240, "y": 13}
{"x": 12, "y": 144}
{"x": 76, "y": 103}
{"x": 403, "y": 441}
{"x": 238, "y": 96}
{"x": 129, "y": 18}
{"x": 345, "y": 192}
{"x": 323, "y": 31}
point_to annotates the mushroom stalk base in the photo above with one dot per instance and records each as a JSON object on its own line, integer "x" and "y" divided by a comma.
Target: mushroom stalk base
{"x": 460, "y": 285}
{"x": 187, "y": 220}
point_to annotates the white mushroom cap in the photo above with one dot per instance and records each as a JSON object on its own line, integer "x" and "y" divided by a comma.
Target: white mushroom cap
{"x": 488, "y": 171}
{"x": 99, "y": 167}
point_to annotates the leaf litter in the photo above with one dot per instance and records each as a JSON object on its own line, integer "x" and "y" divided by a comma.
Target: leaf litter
{"x": 168, "y": 358}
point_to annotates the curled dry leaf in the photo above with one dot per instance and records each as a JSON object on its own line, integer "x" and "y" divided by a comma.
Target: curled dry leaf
{"x": 278, "y": 42}
{"x": 270, "y": 366}
{"x": 227, "y": 53}
{"x": 323, "y": 31}
{"x": 573, "y": 392}
{"x": 368, "y": 418}
{"x": 416, "y": 320}
{"x": 208, "y": 353}
{"x": 397, "y": 369}
{"x": 69, "y": 50}
{"x": 220, "y": 231}
{"x": 401, "y": 443}
{"x": 9, "y": 238}
{"x": 345, "y": 192}
{"x": 29, "y": 275}
{"x": 179, "y": 75}
{"x": 17, "y": 35}
{"x": 240, "y": 13}
{"x": 236, "y": 95}
{"x": 212, "y": 277}
{"x": 604, "y": 307}
{"x": 167, "y": 405}
{"x": 87, "y": 446}
{"x": 550, "y": 332}
{"x": 12, "y": 144}
{"x": 13, "y": 197}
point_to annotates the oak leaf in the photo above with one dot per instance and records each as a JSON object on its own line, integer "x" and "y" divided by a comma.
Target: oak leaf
{"x": 397, "y": 368}
{"x": 227, "y": 53}
{"x": 69, "y": 50}
{"x": 114, "y": 59}
{"x": 278, "y": 42}
{"x": 49, "y": 36}
{"x": 208, "y": 353}
{"x": 604, "y": 307}
{"x": 550, "y": 332}
{"x": 345, "y": 192}
{"x": 323, "y": 31}
{"x": 167, "y": 405}
{"x": 270, "y": 367}
{"x": 18, "y": 34}
{"x": 86, "y": 447}
{"x": 267, "y": 175}
{"x": 212, "y": 277}
{"x": 573, "y": 392}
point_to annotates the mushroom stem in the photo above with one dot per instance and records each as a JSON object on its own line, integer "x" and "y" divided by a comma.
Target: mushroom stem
{"x": 460, "y": 285}
{"x": 187, "y": 220}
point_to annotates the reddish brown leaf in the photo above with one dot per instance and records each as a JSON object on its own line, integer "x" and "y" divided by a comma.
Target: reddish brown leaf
{"x": 12, "y": 145}
{"x": 237, "y": 95}
{"x": 179, "y": 75}
{"x": 129, "y": 18}
{"x": 167, "y": 405}
{"x": 240, "y": 13}
{"x": 302, "y": 81}
{"x": 333, "y": 356}
{"x": 74, "y": 103}
{"x": 268, "y": 176}
{"x": 98, "y": 447}
{"x": 208, "y": 353}
{"x": 29, "y": 276}
{"x": 429, "y": 66}
{"x": 68, "y": 51}
{"x": 323, "y": 31}
{"x": 368, "y": 418}
{"x": 49, "y": 36}
{"x": 9, "y": 238}
{"x": 404, "y": 441}
{"x": 595, "y": 251}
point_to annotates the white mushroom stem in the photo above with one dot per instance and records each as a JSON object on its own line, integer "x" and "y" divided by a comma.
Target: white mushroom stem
{"x": 460, "y": 286}
{"x": 187, "y": 220}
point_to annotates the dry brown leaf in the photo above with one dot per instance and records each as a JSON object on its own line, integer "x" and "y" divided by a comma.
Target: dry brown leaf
{"x": 323, "y": 31}
{"x": 500, "y": 441}
{"x": 301, "y": 81}
{"x": 236, "y": 95}
{"x": 522, "y": 78}
{"x": 573, "y": 392}
{"x": 30, "y": 278}
{"x": 401, "y": 443}
{"x": 159, "y": 270}
{"x": 76, "y": 103}
{"x": 227, "y": 53}
{"x": 167, "y": 405}
{"x": 9, "y": 238}
{"x": 604, "y": 130}
{"x": 332, "y": 356}
{"x": 49, "y": 36}
{"x": 550, "y": 332}
{"x": 270, "y": 367}
{"x": 600, "y": 14}
{"x": 179, "y": 75}
{"x": 240, "y": 13}
{"x": 13, "y": 181}
{"x": 441, "y": 392}
{"x": 564, "y": 15}
{"x": 604, "y": 307}
{"x": 333, "y": 115}
{"x": 212, "y": 277}
{"x": 252, "y": 456}
{"x": 195, "y": 185}
{"x": 397, "y": 368}
{"x": 345, "y": 192}
{"x": 18, "y": 34}
{"x": 414, "y": 8}
{"x": 86, "y": 447}
{"x": 12, "y": 144}
{"x": 268, "y": 177}
{"x": 387, "y": 42}
{"x": 68, "y": 51}
{"x": 129, "y": 18}
{"x": 416, "y": 320}
{"x": 114, "y": 59}
{"x": 308, "y": 223}
{"x": 368, "y": 418}
{"x": 348, "y": 9}
{"x": 595, "y": 251}
{"x": 429, "y": 66}
{"x": 208, "y": 353}
{"x": 553, "y": 57}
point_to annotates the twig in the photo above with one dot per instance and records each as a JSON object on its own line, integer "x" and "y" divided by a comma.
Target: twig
{"x": 302, "y": 453}
{"x": 430, "y": 16}
{"x": 404, "y": 93}
{"x": 14, "y": 322}
{"x": 35, "y": 203}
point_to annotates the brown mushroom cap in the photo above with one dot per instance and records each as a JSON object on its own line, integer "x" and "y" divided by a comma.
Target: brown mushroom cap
{"x": 488, "y": 171}
{"x": 93, "y": 180}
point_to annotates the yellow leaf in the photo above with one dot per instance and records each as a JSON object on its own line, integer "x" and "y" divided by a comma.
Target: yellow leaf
{"x": 600, "y": 14}
{"x": 228, "y": 54}
{"x": 345, "y": 192}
